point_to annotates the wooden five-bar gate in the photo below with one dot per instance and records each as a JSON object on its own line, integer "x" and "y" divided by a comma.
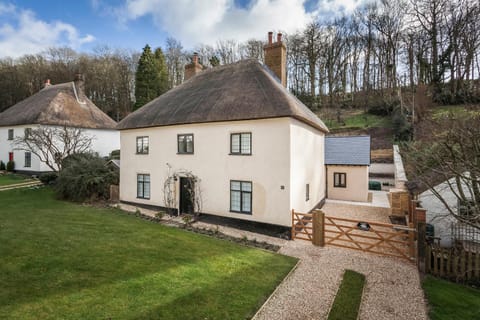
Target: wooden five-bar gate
{"x": 367, "y": 236}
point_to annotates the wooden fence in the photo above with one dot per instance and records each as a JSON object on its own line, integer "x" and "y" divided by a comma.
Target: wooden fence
{"x": 367, "y": 236}
{"x": 455, "y": 263}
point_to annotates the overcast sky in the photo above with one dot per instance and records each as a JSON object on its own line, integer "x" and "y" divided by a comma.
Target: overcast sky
{"x": 31, "y": 26}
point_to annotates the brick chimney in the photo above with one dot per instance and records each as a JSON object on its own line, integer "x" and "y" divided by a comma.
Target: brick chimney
{"x": 193, "y": 68}
{"x": 47, "y": 83}
{"x": 276, "y": 57}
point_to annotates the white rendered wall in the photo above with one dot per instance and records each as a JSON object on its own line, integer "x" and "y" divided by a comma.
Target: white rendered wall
{"x": 357, "y": 183}
{"x": 103, "y": 142}
{"x": 382, "y": 168}
{"x": 307, "y": 166}
{"x": 268, "y": 168}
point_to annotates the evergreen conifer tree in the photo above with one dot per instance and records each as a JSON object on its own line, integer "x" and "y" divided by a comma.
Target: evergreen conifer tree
{"x": 151, "y": 76}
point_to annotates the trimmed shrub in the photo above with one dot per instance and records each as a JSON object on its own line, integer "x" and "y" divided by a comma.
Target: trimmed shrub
{"x": 374, "y": 185}
{"x": 10, "y": 166}
{"x": 48, "y": 178}
{"x": 2, "y": 165}
{"x": 85, "y": 177}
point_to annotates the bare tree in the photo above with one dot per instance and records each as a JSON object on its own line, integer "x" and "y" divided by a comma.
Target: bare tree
{"x": 52, "y": 144}
{"x": 176, "y": 60}
{"x": 452, "y": 160}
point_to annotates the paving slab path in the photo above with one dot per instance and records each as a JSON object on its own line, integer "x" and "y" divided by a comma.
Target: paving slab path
{"x": 392, "y": 288}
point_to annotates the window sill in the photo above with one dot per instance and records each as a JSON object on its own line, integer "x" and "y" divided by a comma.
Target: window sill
{"x": 142, "y": 198}
{"x": 239, "y": 154}
{"x": 141, "y": 153}
{"x": 185, "y": 153}
{"x": 241, "y": 212}
{"x": 343, "y": 187}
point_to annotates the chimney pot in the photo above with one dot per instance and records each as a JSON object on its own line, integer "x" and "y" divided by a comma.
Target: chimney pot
{"x": 279, "y": 37}
{"x": 195, "y": 58}
{"x": 270, "y": 36}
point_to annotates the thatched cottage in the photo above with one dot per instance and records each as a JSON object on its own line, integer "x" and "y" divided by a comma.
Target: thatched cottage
{"x": 254, "y": 149}
{"x": 55, "y": 105}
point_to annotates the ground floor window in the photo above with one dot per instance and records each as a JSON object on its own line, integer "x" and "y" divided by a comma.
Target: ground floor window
{"x": 241, "y": 196}
{"x": 339, "y": 180}
{"x": 28, "y": 160}
{"x": 143, "y": 186}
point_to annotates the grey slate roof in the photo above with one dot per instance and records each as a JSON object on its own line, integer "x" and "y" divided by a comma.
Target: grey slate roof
{"x": 351, "y": 150}
{"x": 59, "y": 104}
{"x": 245, "y": 90}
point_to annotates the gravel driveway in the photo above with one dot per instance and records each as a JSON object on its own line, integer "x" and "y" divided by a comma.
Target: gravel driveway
{"x": 392, "y": 289}
{"x": 350, "y": 211}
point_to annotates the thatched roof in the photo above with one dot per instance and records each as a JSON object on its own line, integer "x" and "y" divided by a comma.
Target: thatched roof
{"x": 59, "y": 104}
{"x": 244, "y": 90}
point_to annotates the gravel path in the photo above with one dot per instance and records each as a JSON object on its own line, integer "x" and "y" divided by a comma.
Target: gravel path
{"x": 350, "y": 211}
{"x": 392, "y": 289}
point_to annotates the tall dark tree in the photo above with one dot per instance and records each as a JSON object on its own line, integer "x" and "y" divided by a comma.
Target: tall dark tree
{"x": 163, "y": 84}
{"x": 147, "y": 78}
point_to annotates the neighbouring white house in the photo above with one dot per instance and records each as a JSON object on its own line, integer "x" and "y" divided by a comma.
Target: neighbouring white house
{"x": 55, "y": 105}
{"x": 446, "y": 227}
{"x": 258, "y": 152}
{"x": 347, "y": 161}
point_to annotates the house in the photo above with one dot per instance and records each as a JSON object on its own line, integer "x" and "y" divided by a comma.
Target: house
{"x": 57, "y": 106}
{"x": 255, "y": 150}
{"x": 347, "y": 161}
{"x": 446, "y": 228}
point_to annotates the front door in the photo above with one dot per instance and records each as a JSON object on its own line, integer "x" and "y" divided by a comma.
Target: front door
{"x": 187, "y": 195}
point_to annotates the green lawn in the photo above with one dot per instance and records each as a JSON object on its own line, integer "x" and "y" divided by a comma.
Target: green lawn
{"x": 69, "y": 261}
{"x": 358, "y": 121}
{"x": 10, "y": 178}
{"x": 348, "y": 298}
{"x": 449, "y": 301}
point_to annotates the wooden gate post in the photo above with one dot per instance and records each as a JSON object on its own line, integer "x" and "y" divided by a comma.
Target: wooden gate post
{"x": 411, "y": 240}
{"x": 319, "y": 228}
{"x": 420, "y": 218}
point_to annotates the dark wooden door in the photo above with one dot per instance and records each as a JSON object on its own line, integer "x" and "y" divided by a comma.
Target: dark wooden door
{"x": 186, "y": 195}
